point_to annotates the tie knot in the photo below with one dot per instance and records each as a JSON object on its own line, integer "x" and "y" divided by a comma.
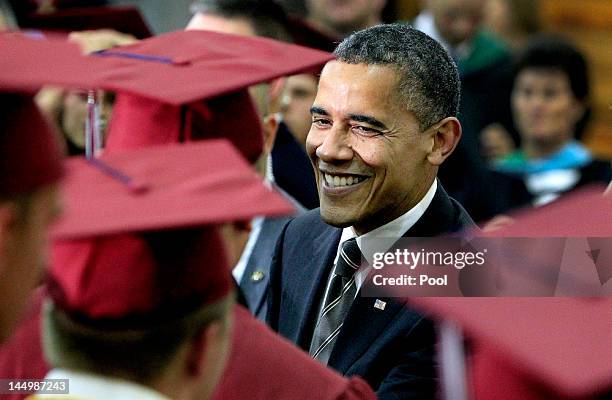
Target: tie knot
{"x": 349, "y": 260}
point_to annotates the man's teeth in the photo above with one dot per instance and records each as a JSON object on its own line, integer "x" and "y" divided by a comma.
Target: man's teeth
{"x": 338, "y": 181}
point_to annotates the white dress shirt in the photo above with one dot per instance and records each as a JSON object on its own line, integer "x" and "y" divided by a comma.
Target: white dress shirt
{"x": 382, "y": 238}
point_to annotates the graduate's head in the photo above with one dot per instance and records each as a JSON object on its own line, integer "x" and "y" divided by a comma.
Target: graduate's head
{"x": 219, "y": 107}
{"x": 140, "y": 285}
{"x": 152, "y": 308}
{"x": 263, "y": 18}
{"x": 30, "y": 166}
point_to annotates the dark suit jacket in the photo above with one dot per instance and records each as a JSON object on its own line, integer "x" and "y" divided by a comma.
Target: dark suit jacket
{"x": 392, "y": 349}
{"x": 254, "y": 282}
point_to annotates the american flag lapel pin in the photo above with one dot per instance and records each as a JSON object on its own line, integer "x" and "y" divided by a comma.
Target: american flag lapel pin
{"x": 380, "y": 304}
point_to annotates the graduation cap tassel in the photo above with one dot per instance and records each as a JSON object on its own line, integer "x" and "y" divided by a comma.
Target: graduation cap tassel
{"x": 90, "y": 124}
{"x": 97, "y": 132}
{"x": 93, "y": 133}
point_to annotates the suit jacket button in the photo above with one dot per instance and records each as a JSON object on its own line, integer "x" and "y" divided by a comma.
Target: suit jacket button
{"x": 257, "y": 275}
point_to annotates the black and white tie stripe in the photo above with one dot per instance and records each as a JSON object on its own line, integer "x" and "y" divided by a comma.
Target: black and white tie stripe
{"x": 340, "y": 296}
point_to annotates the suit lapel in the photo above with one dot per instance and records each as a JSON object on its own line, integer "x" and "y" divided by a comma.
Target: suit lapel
{"x": 309, "y": 285}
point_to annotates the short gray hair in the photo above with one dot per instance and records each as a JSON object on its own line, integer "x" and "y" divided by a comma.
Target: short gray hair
{"x": 429, "y": 80}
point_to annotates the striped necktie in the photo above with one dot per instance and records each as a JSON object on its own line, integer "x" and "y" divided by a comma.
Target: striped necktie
{"x": 340, "y": 296}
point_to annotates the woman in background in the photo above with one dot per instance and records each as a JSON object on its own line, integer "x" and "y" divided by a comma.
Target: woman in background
{"x": 549, "y": 100}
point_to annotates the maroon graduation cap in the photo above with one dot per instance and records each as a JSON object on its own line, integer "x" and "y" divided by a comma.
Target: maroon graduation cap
{"x": 138, "y": 235}
{"x": 162, "y": 187}
{"x": 536, "y": 348}
{"x": 175, "y": 68}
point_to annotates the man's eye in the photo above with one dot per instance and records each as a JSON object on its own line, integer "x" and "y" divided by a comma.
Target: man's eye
{"x": 365, "y": 131}
{"x": 321, "y": 122}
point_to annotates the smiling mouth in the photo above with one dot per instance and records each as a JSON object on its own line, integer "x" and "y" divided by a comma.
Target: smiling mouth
{"x": 341, "y": 181}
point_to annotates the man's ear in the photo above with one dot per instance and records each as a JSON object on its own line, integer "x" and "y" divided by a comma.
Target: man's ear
{"x": 270, "y": 127}
{"x": 446, "y": 135}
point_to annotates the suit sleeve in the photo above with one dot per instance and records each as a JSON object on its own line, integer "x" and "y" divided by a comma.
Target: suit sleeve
{"x": 275, "y": 284}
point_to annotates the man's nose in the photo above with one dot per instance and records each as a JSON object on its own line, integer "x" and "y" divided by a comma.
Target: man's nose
{"x": 335, "y": 146}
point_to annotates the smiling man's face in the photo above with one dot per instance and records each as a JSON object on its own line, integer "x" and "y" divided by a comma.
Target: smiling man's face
{"x": 369, "y": 156}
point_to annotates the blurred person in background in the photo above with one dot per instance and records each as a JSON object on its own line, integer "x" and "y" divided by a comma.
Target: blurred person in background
{"x": 68, "y": 108}
{"x": 253, "y": 18}
{"x": 289, "y": 165}
{"x": 485, "y": 71}
{"x": 514, "y": 22}
{"x": 483, "y": 61}
{"x": 549, "y": 99}
{"x": 298, "y": 95}
{"x": 341, "y": 18}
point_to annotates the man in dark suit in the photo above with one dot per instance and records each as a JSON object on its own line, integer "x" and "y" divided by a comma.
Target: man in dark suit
{"x": 384, "y": 120}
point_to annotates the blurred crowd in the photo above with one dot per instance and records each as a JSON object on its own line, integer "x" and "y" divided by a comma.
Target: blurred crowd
{"x": 522, "y": 128}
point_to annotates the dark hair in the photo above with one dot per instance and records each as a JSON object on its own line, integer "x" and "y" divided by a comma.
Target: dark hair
{"x": 137, "y": 355}
{"x": 267, "y": 18}
{"x": 429, "y": 81}
{"x": 556, "y": 53}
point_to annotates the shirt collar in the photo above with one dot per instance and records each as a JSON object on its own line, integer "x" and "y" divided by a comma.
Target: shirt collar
{"x": 101, "y": 387}
{"x": 391, "y": 231}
